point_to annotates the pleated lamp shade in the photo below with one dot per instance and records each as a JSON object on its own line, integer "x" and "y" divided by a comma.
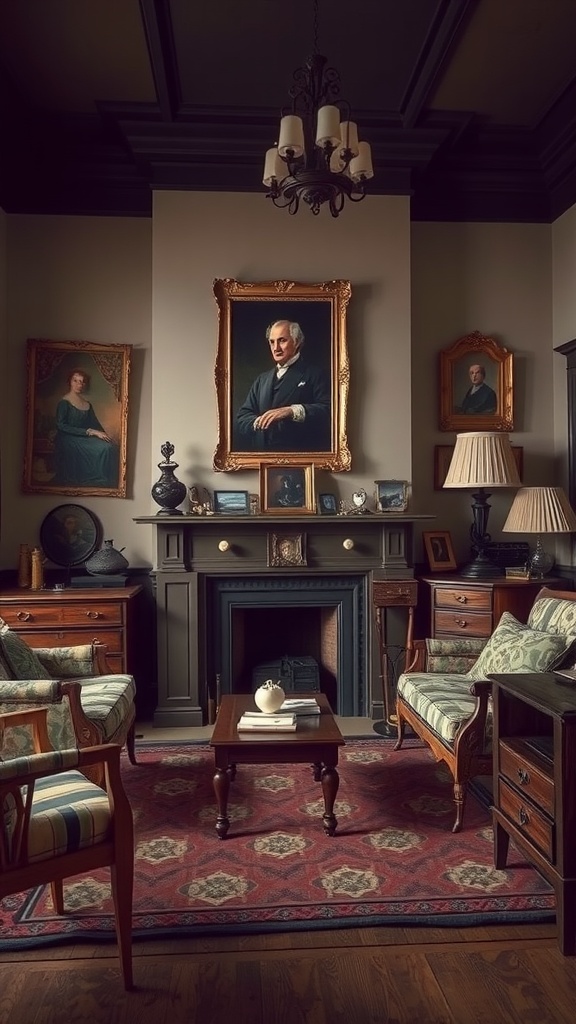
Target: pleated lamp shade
{"x": 540, "y": 510}
{"x": 482, "y": 458}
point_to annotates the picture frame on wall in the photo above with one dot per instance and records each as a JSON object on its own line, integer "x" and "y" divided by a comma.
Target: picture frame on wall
{"x": 439, "y": 550}
{"x": 76, "y": 418}
{"x": 443, "y": 456}
{"x": 300, "y": 414}
{"x": 476, "y": 385}
{"x": 287, "y": 490}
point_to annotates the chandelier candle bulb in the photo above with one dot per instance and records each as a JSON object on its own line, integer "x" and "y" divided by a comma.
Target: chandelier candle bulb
{"x": 274, "y": 167}
{"x": 349, "y": 137}
{"x": 361, "y": 166}
{"x": 291, "y": 137}
{"x": 328, "y": 126}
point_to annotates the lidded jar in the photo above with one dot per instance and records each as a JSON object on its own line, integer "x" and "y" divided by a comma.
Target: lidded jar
{"x": 107, "y": 562}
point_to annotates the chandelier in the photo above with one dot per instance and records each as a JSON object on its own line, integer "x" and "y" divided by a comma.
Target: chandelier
{"x": 318, "y": 158}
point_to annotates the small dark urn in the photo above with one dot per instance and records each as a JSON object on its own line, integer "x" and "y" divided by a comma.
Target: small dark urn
{"x": 168, "y": 492}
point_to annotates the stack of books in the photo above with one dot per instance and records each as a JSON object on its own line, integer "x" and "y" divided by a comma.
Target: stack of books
{"x": 300, "y": 706}
{"x": 258, "y": 721}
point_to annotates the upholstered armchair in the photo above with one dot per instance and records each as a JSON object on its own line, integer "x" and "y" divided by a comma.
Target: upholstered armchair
{"x": 86, "y": 704}
{"x": 445, "y": 698}
{"x": 55, "y": 823}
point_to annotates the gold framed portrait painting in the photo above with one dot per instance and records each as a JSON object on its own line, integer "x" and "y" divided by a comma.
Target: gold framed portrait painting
{"x": 281, "y": 374}
{"x": 476, "y": 385}
{"x": 76, "y": 418}
{"x": 287, "y": 490}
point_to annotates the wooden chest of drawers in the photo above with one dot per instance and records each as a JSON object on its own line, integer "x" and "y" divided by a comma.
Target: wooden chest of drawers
{"x": 49, "y": 618}
{"x": 535, "y": 783}
{"x": 473, "y": 608}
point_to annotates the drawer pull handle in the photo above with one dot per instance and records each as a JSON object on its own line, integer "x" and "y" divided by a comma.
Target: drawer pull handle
{"x": 23, "y": 616}
{"x": 92, "y": 614}
{"x": 523, "y": 777}
{"x": 461, "y": 622}
{"x": 462, "y": 598}
{"x": 348, "y": 544}
{"x": 523, "y": 816}
{"x": 223, "y": 545}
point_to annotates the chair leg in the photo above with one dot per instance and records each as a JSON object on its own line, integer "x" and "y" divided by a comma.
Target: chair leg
{"x": 122, "y": 881}
{"x": 401, "y": 726}
{"x": 57, "y": 890}
{"x": 460, "y": 800}
{"x": 131, "y": 743}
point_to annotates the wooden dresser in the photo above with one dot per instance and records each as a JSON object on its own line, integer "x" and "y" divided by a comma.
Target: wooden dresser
{"x": 535, "y": 783}
{"x": 473, "y": 608}
{"x": 48, "y": 618}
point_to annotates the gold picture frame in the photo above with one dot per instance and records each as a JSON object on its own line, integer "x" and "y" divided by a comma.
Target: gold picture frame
{"x": 76, "y": 418}
{"x": 443, "y": 456}
{"x": 491, "y": 405}
{"x": 287, "y": 490}
{"x": 439, "y": 550}
{"x": 245, "y": 375}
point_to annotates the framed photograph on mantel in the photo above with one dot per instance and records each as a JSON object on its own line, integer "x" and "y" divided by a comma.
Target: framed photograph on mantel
{"x": 476, "y": 387}
{"x": 76, "y": 415}
{"x": 281, "y": 374}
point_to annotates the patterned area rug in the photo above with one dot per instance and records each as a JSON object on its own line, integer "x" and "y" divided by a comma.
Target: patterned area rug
{"x": 394, "y": 859}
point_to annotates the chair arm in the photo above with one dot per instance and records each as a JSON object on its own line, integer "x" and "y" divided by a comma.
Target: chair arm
{"x": 86, "y": 732}
{"x": 471, "y": 734}
{"x": 74, "y": 662}
{"x": 418, "y": 663}
{"x": 30, "y": 691}
{"x": 34, "y": 717}
{"x": 455, "y": 655}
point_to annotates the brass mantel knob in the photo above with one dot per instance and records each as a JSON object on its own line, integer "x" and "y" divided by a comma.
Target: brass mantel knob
{"x": 224, "y": 545}
{"x": 348, "y": 544}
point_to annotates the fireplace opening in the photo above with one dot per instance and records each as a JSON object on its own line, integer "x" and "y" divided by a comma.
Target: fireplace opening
{"x": 255, "y": 619}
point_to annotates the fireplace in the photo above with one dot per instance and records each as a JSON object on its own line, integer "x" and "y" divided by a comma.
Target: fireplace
{"x": 258, "y": 619}
{"x": 217, "y": 587}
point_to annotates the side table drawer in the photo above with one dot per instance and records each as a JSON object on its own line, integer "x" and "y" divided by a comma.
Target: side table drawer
{"x": 526, "y": 775}
{"x": 469, "y": 600}
{"x": 535, "y": 825}
{"x": 48, "y": 614}
{"x": 469, "y": 624}
{"x": 386, "y": 593}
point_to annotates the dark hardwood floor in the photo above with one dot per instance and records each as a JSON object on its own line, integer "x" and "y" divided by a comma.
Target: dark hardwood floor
{"x": 396, "y": 975}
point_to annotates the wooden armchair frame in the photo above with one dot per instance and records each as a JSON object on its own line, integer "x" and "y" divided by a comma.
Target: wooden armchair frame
{"x": 17, "y": 874}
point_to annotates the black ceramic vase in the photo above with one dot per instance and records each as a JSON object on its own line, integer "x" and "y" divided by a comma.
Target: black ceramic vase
{"x": 168, "y": 492}
{"x": 107, "y": 562}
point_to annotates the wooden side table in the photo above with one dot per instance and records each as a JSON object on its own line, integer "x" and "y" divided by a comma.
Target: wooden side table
{"x": 393, "y": 594}
{"x": 473, "y": 608}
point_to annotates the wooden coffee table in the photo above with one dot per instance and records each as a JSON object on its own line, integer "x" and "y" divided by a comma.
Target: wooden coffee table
{"x": 315, "y": 742}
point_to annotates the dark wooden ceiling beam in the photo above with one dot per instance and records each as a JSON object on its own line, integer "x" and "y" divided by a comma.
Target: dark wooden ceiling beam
{"x": 157, "y": 26}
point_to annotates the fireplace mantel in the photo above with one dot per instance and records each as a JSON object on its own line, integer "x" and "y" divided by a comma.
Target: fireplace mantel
{"x": 192, "y": 549}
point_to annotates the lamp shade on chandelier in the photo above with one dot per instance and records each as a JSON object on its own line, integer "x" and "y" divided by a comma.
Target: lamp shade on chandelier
{"x": 318, "y": 158}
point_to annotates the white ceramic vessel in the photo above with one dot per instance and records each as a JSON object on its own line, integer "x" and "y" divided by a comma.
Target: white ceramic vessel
{"x": 269, "y": 697}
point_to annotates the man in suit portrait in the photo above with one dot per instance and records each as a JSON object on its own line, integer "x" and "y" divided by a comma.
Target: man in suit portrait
{"x": 287, "y": 408}
{"x": 480, "y": 399}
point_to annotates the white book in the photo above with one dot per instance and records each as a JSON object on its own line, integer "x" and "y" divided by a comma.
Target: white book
{"x": 252, "y": 725}
{"x": 299, "y": 707}
{"x": 261, "y": 716}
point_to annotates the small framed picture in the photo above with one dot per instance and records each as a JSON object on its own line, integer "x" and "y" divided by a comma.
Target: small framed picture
{"x": 232, "y": 503}
{"x": 287, "y": 490}
{"x": 69, "y": 534}
{"x": 391, "y": 495}
{"x": 327, "y": 504}
{"x": 286, "y": 550}
{"x": 439, "y": 550}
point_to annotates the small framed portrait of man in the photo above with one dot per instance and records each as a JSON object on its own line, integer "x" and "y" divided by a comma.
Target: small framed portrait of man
{"x": 476, "y": 388}
{"x": 281, "y": 374}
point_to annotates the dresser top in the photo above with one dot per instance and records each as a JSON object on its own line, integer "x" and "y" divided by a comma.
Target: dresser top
{"x": 19, "y": 595}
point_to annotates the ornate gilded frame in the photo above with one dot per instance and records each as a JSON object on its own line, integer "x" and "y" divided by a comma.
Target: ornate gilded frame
{"x": 455, "y": 363}
{"x": 49, "y": 365}
{"x": 244, "y": 312}
{"x": 271, "y": 481}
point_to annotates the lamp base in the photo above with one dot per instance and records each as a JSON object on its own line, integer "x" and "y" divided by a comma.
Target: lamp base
{"x": 481, "y": 569}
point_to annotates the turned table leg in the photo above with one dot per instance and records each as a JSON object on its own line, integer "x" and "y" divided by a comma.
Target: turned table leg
{"x": 221, "y": 788}
{"x": 330, "y": 783}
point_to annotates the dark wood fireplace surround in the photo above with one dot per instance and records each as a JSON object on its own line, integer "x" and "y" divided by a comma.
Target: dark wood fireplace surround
{"x": 199, "y": 556}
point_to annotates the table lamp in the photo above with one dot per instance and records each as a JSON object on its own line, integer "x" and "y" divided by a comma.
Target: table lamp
{"x": 540, "y": 510}
{"x": 482, "y": 460}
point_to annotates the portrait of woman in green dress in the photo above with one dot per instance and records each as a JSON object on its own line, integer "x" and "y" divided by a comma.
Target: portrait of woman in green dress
{"x": 84, "y": 454}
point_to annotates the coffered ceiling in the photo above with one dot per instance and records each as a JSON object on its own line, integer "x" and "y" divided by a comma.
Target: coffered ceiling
{"x": 469, "y": 105}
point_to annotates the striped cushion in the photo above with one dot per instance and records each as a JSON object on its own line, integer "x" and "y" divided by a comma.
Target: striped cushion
{"x": 108, "y": 702}
{"x": 443, "y": 702}
{"x": 553, "y": 615}
{"x": 68, "y": 814}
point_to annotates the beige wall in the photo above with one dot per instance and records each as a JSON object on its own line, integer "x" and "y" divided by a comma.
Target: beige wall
{"x": 415, "y": 290}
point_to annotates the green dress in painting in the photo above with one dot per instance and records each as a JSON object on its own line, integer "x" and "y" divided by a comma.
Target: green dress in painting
{"x": 80, "y": 460}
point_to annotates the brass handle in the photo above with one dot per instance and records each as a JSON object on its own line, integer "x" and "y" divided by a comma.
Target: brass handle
{"x": 523, "y": 776}
{"x": 93, "y": 615}
{"x": 23, "y": 616}
{"x": 462, "y": 598}
{"x": 523, "y": 816}
{"x": 224, "y": 545}
{"x": 348, "y": 544}
{"x": 461, "y": 622}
